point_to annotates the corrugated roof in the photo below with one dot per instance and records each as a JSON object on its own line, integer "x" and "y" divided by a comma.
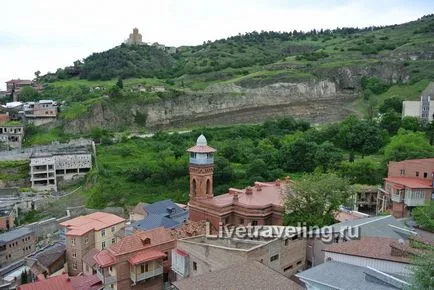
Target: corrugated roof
{"x": 164, "y": 213}
{"x": 252, "y": 275}
{"x": 336, "y": 275}
{"x": 368, "y": 247}
{"x": 49, "y": 254}
{"x": 379, "y": 226}
{"x": 14, "y": 234}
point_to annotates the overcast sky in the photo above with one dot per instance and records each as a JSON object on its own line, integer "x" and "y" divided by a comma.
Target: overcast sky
{"x": 45, "y": 35}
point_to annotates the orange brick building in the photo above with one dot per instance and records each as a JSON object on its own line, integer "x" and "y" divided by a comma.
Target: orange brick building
{"x": 262, "y": 204}
{"x": 409, "y": 183}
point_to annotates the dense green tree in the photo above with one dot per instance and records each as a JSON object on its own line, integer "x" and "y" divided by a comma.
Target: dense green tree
{"x": 408, "y": 145}
{"x": 298, "y": 156}
{"x": 362, "y": 171}
{"x": 120, "y": 83}
{"x": 28, "y": 94}
{"x": 391, "y": 121}
{"x": 360, "y": 136}
{"x": 424, "y": 216}
{"x": 410, "y": 123}
{"x": 394, "y": 104}
{"x": 423, "y": 270}
{"x": 314, "y": 198}
{"x": 327, "y": 156}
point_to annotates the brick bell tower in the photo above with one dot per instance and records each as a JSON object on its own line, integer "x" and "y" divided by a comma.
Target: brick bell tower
{"x": 201, "y": 168}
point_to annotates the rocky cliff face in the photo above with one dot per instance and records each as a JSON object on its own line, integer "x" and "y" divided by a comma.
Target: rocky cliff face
{"x": 318, "y": 101}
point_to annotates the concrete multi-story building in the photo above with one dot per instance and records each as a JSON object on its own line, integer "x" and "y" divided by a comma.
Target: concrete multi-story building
{"x": 138, "y": 261}
{"x": 11, "y": 134}
{"x": 15, "y": 245}
{"x": 201, "y": 254}
{"x": 423, "y": 109}
{"x": 262, "y": 204}
{"x": 46, "y": 168}
{"x": 40, "y": 112}
{"x": 96, "y": 230}
{"x": 409, "y": 183}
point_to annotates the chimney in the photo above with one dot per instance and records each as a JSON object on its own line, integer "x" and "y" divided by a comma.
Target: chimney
{"x": 258, "y": 187}
{"x": 277, "y": 182}
{"x": 235, "y": 197}
{"x": 249, "y": 190}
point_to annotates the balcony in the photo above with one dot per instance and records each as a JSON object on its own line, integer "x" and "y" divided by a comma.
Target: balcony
{"x": 414, "y": 197}
{"x": 201, "y": 161}
{"x": 105, "y": 277}
{"x": 396, "y": 197}
{"x": 137, "y": 277}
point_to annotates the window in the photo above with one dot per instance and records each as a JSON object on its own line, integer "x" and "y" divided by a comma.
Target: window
{"x": 113, "y": 229}
{"x": 274, "y": 258}
{"x": 103, "y": 233}
{"x": 74, "y": 266}
{"x": 226, "y": 220}
{"x": 142, "y": 268}
{"x": 74, "y": 254}
{"x": 425, "y": 175}
{"x": 194, "y": 266}
{"x": 113, "y": 240}
{"x": 254, "y": 223}
{"x": 103, "y": 245}
{"x": 402, "y": 172}
{"x": 417, "y": 173}
{"x": 146, "y": 267}
{"x": 73, "y": 241}
{"x": 241, "y": 221}
{"x": 86, "y": 240}
{"x": 287, "y": 268}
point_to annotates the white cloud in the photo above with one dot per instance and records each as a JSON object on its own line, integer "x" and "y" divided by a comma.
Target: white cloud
{"x": 46, "y": 35}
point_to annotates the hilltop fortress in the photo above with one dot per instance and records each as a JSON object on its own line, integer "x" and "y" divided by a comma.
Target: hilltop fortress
{"x": 135, "y": 38}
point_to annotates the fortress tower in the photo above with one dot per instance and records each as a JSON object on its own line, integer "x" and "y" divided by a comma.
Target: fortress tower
{"x": 135, "y": 38}
{"x": 201, "y": 168}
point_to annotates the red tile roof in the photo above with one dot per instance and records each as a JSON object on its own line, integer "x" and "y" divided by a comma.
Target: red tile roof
{"x": 145, "y": 256}
{"x": 83, "y": 282}
{"x": 104, "y": 258}
{"x": 368, "y": 247}
{"x": 136, "y": 241}
{"x": 53, "y": 283}
{"x": 410, "y": 182}
{"x": 201, "y": 149}
{"x": 18, "y": 81}
{"x": 261, "y": 195}
{"x": 96, "y": 221}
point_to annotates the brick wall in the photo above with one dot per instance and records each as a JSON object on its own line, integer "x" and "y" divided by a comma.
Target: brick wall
{"x": 411, "y": 167}
{"x": 17, "y": 249}
{"x": 76, "y": 248}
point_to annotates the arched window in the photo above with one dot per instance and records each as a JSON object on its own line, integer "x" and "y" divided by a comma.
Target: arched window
{"x": 193, "y": 184}
{"x": 208, "y": 187}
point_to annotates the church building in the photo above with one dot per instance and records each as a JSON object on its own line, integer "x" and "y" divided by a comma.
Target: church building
{"x": 260, "y": 204}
